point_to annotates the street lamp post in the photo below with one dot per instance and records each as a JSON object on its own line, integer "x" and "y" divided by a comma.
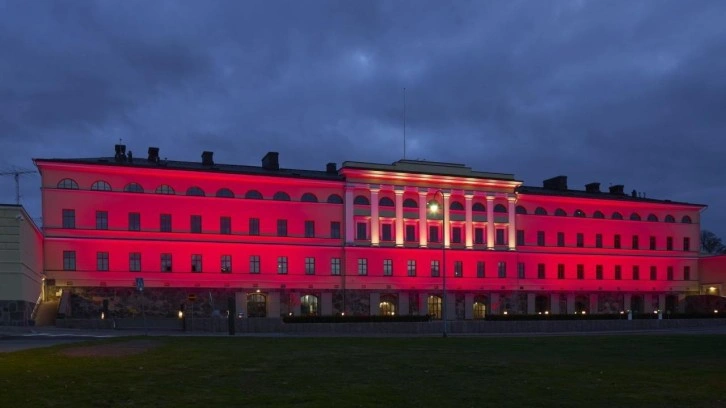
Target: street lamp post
{"x": 434, "y": 208}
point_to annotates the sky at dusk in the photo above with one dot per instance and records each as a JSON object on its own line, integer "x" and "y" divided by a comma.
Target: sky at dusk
{"x": 618, "y": 92}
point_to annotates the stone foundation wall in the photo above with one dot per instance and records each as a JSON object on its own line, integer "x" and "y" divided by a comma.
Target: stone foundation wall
{"x": 15, "y": 312}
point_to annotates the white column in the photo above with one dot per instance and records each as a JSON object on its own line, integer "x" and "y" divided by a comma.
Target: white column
{"x": 512, "y": 224}
{"x": 422, "y": 219}
{"x": 374, "y": 216}
{"x": 555, "y": 303}
{"x": 399, "y": 216}
{"x": 375, "y": 304}
{"x": 326, "y": 308}
{"x": 468, "y": 197}
{"x": 402, "y": 304}
{"x": 445, "y": 227}
{"x": 273, "y": 304}
{"x": 349, "y": 223}
{"x": 570, "y": 303}
{"x": 490, "y": 222}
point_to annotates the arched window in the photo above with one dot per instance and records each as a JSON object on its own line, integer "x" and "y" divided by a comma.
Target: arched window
{"x": 361, "y": 200}
{"x": 385, "y": 202}
{"x": 480, "y": 307}
{"x": 410, "y": 203}
{"x": 225, "y": 192}
{"x": 309, "y": 198}
{"x": 309, "y": 305}
{"x": 101, "y": 185}
{"x": 456, "y": 206}
{"x": 478, "y": 207}
{"x": 434, "y": 304}
{"x": 133, "y": 188}
{"x": 499, "y": 208}
{"x": 281, "y": 196}
{"x": 164, "y": 189}
{"x": 598, "y": 214}
{"x": 387, "y": 307}
{"x": 579, "y": 213}
{"x": 540, "y": 211}
{"x": 254, "y": 195}
{"x": 617, "y": 216}
{"x": 256, "y": 305}
{"x": 335, "y": 199}
{"x": 520, "y": 210}
{"x": 634, "y": 217}
{"x": 560, "y": 212}
{"x": 68, "y": 184}
{"x": 669, "y": 218}
{"x": 686, "y": 219}
{"x": 195, "y": 191}
{"x": 652, "y": 218}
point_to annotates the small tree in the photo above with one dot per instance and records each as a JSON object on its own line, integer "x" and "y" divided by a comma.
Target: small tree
{"x": 711, "y": 244}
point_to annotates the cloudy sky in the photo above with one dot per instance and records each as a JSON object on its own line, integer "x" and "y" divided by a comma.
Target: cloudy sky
{"x": 620, "y": 92}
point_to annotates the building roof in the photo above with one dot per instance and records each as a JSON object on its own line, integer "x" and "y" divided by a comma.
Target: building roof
{"x": 429, "y": 167}
{"x": 597, "y": 195}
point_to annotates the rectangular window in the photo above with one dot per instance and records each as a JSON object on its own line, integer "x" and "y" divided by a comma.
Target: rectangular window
{"x": 411, "y": 267}
{"x": 102, "y": 261}
{"x": 616, "y": 241}
{"x": 560, "y": 239}
{"x": 386, "y": 232}
{"x": 196, "y": 262}
{"x": 520, "y": 270}
{"x": 335, "y": 266}
{"x": 580, "y": 271}
{"x": 500, "y": 237}
{"x": 433, "y": 233}
{"x": 560, "y": 271}
{"x": 580, "y": 240}
{"x": 134, "y": 221}
{"x": 598, "y": 272}
{"x": 410, "y": 233}
{"x": 135, "y": 261}
{"x": 598, "y": 240}
{"x": 435, "y": 268}
{"x": 281, "y": 228}
{"x": 653, "y": 273}
{"x": 309, "y": 266}
{"x": 361, "y": 231}
{"x": 670, "y": 273}
{"x": 686, "y": 244}
{"x": 669, "y": 243}
{"x": 282, "y": 265}
{"x": 686, "y": 273}
{"x": 102, "y": 220}
{"x": 362, "y": 266}
{"x": 165, "y": 223}
{"x": 652, "y": 243}
{"x": 69, "y": 219}
{"x": 335, "y": 229}
{"x": 225, "y": 225}
{"x": 309, "y": 229}
{"x": 618, "y": 272}
{"x": 480, "y": 271}
{"x": 225, "y": 264}
{"x": 479, "y": 236}
{"x": 520, "y": 237}
{"x": 502, "y": 269}
{"x": 166, "y": 262}
{"x": 387, "y": 267}
{"x": 254, "y": 226}
{"x": 456, "y": 235}
{"x": 458, "y": 269}
{"x": 254, "y": 264}
{"x": 540, "y": 238}
{"x": 69, "y": 260}
{"x": 196, "y": 224}
{"x": 541, "y": 271}
{"x": 636, "y": 243}
{"x": 636, "y": 273}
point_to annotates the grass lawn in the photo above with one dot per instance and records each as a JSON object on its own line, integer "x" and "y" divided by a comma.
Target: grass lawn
{"x": 582, "y": 371}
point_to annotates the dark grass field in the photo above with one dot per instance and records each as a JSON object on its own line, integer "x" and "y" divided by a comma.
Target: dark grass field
{"x": 581, "y": 371}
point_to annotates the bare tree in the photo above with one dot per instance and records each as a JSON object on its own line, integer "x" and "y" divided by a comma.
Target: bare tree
{"x": 711, "y": 244}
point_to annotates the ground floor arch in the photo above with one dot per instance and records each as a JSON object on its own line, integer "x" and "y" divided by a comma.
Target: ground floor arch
{"x": 256, "y": 305}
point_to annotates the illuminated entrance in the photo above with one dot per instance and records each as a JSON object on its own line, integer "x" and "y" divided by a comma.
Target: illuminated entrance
{"x": 256, "y": 305}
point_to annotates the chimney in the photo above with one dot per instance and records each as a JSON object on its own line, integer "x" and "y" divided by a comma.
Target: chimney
{"x": 120, "y": 153}
{"x": 556, "y": 183}
{"x": 634, "y": 194}
{"x": 617, "y": 189}
{"x": 153, "y": 154}
{"x": 207, "y": 158}
{"x": 331, "y": 168}
{"x": 270, "y": 161}
{"x": 592, "y": 187}
{"x": 131, "y": 157}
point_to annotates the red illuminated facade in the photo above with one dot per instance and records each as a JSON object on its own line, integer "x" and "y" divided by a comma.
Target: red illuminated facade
{"x": 361, "y": 239}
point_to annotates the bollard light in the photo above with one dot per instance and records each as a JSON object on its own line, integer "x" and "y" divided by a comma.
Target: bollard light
{"x": 103, "y": 315}
{"x": 180, "y": 314}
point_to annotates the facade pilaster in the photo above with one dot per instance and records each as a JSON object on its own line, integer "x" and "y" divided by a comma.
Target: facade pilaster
{"x": 469, "y": 197}
{"x": 349, "y": 215}
{"x": 490, "y": 222}
{"x": 423, "y": 304}
{"x": 403, "y": 304}
{"x": 530, "y": 303}
{"x": 375, "y": 230}
{"x": 399, "y": 216}
{"x": 555, "y": 303}
{"x": 570, "y": 303}
{"x": 326, "y": 308}
{"x": 273, "y": 304}
{"x": 593, "y": 303}
{"x": 512, "y": 224}
{"x": 422, "y": 218}
{"x": 469, "y": 306}
{"x": 375, "y": 303}
{"x": 446, "y": 221}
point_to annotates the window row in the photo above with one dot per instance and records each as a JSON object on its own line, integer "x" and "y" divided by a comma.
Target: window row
{"x": 598, "y": 243}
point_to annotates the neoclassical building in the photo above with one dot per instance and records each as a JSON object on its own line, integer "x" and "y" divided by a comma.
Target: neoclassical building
{"x": 361, "y": 239}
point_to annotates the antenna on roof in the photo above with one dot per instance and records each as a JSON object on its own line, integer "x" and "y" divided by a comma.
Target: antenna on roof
{"x": 404, "y": 123}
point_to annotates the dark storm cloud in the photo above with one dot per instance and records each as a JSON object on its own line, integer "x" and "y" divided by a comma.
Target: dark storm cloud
{"x": 617, "y": 91}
